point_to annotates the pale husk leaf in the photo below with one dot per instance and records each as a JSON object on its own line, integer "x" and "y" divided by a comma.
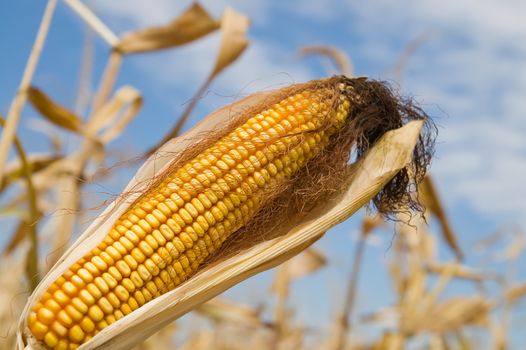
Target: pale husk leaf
{"x": 390, "y": 154}
{"x": 52, "y": 111}
{"x": 191, "y": 25}
{"x": 234, "y": 27}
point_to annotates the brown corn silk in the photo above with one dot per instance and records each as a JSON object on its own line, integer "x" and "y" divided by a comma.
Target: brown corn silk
{"x": 271, "y": 162}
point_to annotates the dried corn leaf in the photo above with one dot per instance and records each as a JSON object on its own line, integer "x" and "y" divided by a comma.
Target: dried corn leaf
{"x": 113, "y": 117}
{"x": 460, "y": 271}
{"x": 52, "y": 111}
{"x": 390, "y": 341}
{"x": 390, "y": 154}
{"x": 35, "y": 164}
{"x": 309, "y": 261}
{"x": 234, "y": 27}
{"x": 457, "y": 312}
{"x": 370, "y": 223}
{"x": 17, "y": 237}
{"x": 191, "y": 25}
{"x": 337, "y": 56}
{"x": 516, "y": 293}
{"x": 221, "y": 310}
{"x": 429, "y": 197}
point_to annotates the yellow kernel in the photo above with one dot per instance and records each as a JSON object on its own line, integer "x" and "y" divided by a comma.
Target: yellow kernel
{"x": 59, "y": 329}
{"x": 159, "y": 238}
{"x": 77, "y": 281}
{"x": 144, "y": 273}
{"x": 85, "y": 275}
{"x": 73, "y": 313}
{"x": 166, "y": 232}
{"x": 135, "y": 280}
{"x": 69, "y": 288}
{"x": 86, "y": 297}
{"x": 87, "y": 325}
{"x": 132, "y": 263}
{"x": 62, "y": 345}
{"x": 128, "y": 284}
{"x": 61, "y": 297}
{"x": 126, "y": 243}
{"x": 51, "y": 339}
{"x": 38, "y": 329}
{"x": 95, "y": 313}
{"x": 110, "y": 281}
{"x": 123, "y": 268}
{"x": 115, "y": 273}
{"x": 138, "y": 230}
{"x": 152, "y": 267}
{"x": 152, "y": 220}
{"x": 79, "y": 305}
{"x": 91, "y": 268}
{"x": 45, "y": 316}
{"x": 105, "y": 305}
{"x": 76, "y": 334}
{"x": 137, "y": 254}
{"x": 102, "y": 285}
{"x": 122, "y": 293}
{"x": 99, "y": 263}
{"x": 113, "y": 299}
{"x": 64, "y": 318}
{"x": 93, "y": 290}
{"x": 120, "y": 248}
{"x": 145, "y": 248}
{"x": 132, "y": 237}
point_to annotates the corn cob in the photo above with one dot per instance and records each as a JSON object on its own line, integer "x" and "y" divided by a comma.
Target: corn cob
{"x": 166, "y": 235}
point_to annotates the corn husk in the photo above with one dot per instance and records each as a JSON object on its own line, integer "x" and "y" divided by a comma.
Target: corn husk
{"x": 390, "y": 154}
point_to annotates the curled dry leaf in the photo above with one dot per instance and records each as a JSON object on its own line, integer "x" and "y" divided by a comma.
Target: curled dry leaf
{"x": 52, "y": 111}
{"x": 431, "y": 201}
{"x": 457, "y": 312}
{"x": 15, "y": 171}
{"x": 221, "y": 310}
{"x": 460, "y": 271}
{"x": 338, "y": 57}
{"x": 383, "y": 159}
{"x": 309, "y": 261}
{"x": 113, "y": 117}
{"x": 370, "y": 223}
{"x": 390, "y": 341}
{"x": 516, "y": 293}
{"x": 191, "y": 25}
{"x": 234, "y": 27}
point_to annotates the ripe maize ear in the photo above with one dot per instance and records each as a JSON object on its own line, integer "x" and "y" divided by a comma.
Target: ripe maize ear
{"x": 167, "y": 234}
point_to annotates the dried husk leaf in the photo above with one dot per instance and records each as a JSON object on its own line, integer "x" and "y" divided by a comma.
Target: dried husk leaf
{"x": 113, "y": 117}
{"x": 431, "y": 201}
{"x": 516, "y": 293}
{"x": 390, "y": 341}
{"x": 221, "y": 310}
{"x": 35, "y": 164}
{"x": 457, "y": 312}
{"x": 391, "y": 153}
{"x": 340, "y": 59}
{"x": 370, "y": 223}
{"x": 191, "y": 25}
{"x": 309, "y": 261}
{"x": 52, "y": 111}
{"x": 460, "y": 271}
{"x": 234, "y": 27}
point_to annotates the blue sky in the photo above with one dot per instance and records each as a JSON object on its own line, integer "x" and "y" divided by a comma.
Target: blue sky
{"x": 470, "y": 75}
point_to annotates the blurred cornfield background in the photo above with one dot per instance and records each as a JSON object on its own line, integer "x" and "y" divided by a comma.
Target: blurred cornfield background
{"x": 87, "y": 112}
